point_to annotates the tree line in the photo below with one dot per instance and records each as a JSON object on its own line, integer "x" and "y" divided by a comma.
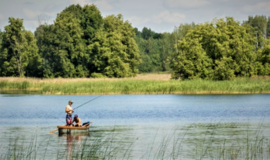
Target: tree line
{"x": 82, "y": 43}
{"x": 218, "y": 50}
{"x": 224, "y": 49}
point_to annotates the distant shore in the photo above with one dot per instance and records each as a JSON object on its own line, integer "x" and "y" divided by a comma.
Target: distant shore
{"x": 141, "y": 84}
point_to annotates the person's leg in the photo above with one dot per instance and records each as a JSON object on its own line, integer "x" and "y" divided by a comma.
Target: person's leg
{"x": 69, "y": 119}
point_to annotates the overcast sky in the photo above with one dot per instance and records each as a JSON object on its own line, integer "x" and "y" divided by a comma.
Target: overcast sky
{"x": 159, "y": 15}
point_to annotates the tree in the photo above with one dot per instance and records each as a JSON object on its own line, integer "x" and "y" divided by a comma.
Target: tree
{"x": 64, "y": 43}
{"x": 90, "y": 20}
{"x": 147, "y": 33}
{"x": 19, "y": 52}
{"x": 191, "y": 61}
{"x": 167, "y": 49}
{"x": 1, "y": 37}
{"x": 62, "y": 47}
{"x": 229, "y": 45}
{"x": 259, "y": 23}
{"x": 265, "y": 57}
{"x": 268, "y": 28}
{"x": 114, "y": 52}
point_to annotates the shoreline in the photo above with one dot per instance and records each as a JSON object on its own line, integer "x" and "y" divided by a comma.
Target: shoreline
{"x": 142, "y": 84}
{"x": 38, "y": 92}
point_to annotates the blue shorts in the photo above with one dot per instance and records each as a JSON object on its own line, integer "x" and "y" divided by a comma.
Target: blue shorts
{"x": 69, "y": 119}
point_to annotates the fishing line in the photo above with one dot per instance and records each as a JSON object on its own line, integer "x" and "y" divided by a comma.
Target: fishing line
{"x": 87, "y": 102}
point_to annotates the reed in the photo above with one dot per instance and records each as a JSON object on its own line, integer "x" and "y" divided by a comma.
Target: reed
{"x": 101, "y": 147}
{"x": 211, "y": 142}
{"x": 260, "y": 85}
{"x": 195, "y": 141}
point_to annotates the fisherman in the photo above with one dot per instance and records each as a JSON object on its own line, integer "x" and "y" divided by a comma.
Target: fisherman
{"x": 77, "y": 120}
{"x": 69, "y": 112}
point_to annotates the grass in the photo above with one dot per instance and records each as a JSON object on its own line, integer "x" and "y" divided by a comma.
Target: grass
{"x": 142, "y": 84}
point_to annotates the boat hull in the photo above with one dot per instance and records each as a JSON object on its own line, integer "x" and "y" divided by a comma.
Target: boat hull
{"x": 71, "y": 129}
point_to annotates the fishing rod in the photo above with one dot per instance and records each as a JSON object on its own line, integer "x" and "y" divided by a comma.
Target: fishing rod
{"x": 87, "y": 102}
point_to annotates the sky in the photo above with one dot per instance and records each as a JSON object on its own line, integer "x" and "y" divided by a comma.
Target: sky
{"x": 159, "y": 15}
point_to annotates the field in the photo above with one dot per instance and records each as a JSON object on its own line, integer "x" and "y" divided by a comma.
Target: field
{"x": 141, "y": 84}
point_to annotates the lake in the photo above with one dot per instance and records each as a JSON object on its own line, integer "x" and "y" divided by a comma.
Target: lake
{"x": 137, "y": 127}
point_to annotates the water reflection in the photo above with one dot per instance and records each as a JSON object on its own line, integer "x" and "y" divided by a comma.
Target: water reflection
{"x": 74, "y": 142}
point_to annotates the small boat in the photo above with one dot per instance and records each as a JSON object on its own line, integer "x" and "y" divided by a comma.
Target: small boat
{"x": 68, "y": 129}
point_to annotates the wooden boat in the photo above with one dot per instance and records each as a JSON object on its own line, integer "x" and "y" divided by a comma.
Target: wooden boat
{"x": 69, "y": 129}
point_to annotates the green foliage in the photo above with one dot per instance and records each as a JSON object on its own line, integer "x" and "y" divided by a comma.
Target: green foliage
{"x": 266, "y": 52}
{"x": 229, "y": 46}
{"x": 61, "y": 47}
{"x": 154, "y": 52}
{"x": 90, "y": 20}
{"x": 19, "y": 52}
{"x": 268, "y": 28}
{"x": 265, "y": 57}
{"x": 147, "y": 33}
{"x": 191, "y": 62}
{"x": 114, "y": 52}
{"x": 180, "y": 32}
{"x": 81, "y": 42}
{"x": 1, "y": 37}
{"x": 259, "y": 23}
{"x": 156, "y": 48}
{"x": 97, "y": 75}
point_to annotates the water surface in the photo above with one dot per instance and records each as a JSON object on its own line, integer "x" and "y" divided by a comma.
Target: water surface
{"x": 143, "y": 126}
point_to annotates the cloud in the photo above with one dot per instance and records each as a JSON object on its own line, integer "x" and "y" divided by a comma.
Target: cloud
{"x": 162, "y": 18}
{"x": 28, "y": 3}
{"x": 138, "y": 20}
{"x": 103, "y": 4}
{"x": 169, "y": 17}
{"x": 31, "y": 14}
{"x": 80, "y": 2}
{"x": 261, "y": 6}
{"x": 1, "y": 16}
{"x": 185, "y": 3}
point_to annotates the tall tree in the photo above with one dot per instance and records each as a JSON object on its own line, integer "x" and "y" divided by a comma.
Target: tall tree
{"x": 265, "y": 57}
{"x": 62, "y": 47}
{"x": 191, "y": 61}
{"x": 64, "y": 43}
{"x": 18, "y": 51}
{"x": 114, "y": 52}
{"x": 154, "y": 51}
{"x": 147, "y": 33}
{"x": 90, "y": 20}
{"x": 268, "y": 28}
{"x": 229, "y": 45}
{"x": 260, "y": 25}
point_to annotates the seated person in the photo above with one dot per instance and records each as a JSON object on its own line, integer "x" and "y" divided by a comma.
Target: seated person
{"x": 77, "y": 120}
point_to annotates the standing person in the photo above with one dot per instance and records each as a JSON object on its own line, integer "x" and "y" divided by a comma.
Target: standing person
{"x": 69, "y": 112}
{"x": 77, "y": 120}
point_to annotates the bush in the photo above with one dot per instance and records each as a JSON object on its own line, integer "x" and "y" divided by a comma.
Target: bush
{"x": 97, "y": 75}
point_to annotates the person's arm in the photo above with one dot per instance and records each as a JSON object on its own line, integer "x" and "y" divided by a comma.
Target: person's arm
{"x": 80, "y": 122}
